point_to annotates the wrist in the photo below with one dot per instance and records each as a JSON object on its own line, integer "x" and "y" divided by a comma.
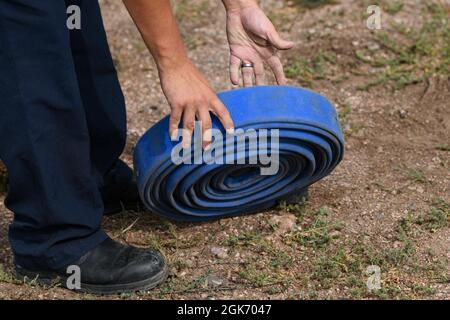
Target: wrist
{"x": 233, "y": 6}
{"x": 172, "y": 63}
{"x": 168, "y": 57}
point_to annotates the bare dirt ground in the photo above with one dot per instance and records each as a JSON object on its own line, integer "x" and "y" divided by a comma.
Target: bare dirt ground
{"x": 386, "y": 205}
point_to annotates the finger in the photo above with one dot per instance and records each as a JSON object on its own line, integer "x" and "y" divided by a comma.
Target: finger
{"x": 234, "y": 69}
{"x": 259, "y": 73}
{"x": 247, "y": 76}
{"x": 174, "y": 122}
{"x": 188, "y": 126}
{"x": 205, "y": 118}
{"x": 279, "y": 43}
{"x": 277, "y": 68}
{"x": 223, "y": 114}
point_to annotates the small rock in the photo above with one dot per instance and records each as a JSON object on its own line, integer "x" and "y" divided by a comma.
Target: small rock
{"x": 219, "y": 252}
{"x": 285, "y": 223}
{"x": 373, "y": 46}
{"x": 402, "y": 113}
{"x": 214, "y": 281}
{"x": 335, "y": 234}
{"x": 189, "y": 263}
{"x": 397, "y": 244}
{"x": 347, "y": 127}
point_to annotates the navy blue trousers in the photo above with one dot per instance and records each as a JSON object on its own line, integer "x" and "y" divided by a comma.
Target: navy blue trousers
{"x": 62, "y": 129}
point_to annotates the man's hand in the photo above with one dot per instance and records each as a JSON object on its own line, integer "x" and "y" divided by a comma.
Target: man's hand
{"x": 253, "y": 39}
{"x": 191, "y": 97}
{"x": 185, "y": 88}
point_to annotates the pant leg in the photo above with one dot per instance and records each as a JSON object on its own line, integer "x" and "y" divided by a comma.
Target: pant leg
{"x": 102, "y": 96}
{"x": 44, "y": 138}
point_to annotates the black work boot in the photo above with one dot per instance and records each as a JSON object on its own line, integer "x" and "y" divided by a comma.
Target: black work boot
{"x": 110, "y": 268}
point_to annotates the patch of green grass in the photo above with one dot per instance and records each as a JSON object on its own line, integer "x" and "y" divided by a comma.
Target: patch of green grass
{"x": 437, "y": 218}
{"x": 244, "y": 239}
{"x": 393, "y": 6}
{"x": 341, "y": 263}
{"x": 309, "y": 4}
{"x": 443, "y": 147}
{"x": 411, "y": 55}
{"x": 302, "y": 70}
{"x": 189, "y": 11}
{"x": 199, "y": 281}
{"x": 261, "y": 276}
{"x": 416, "y": 175}
{"x": 266, "y": 264}
{"x": 277, "y": 258}
{"x": 314, "y": 229}
{"x": 5, "y": 276}
{"x": 281, "y": 259}
{"x": 344, "y": 265}
{"x": 258, "y": 278}
{"x": 154, "y": 240}
{"x": 423, "y": 290}
{"x": 344, "y": 114}
{"x": 330, "y": 267}
{"x": 296, "y": 208}
{"x": 339, "y": 79}
{"x": 400, "y": 255}
{"x": 307, "y": 70}
{"x": 405, "y": 225}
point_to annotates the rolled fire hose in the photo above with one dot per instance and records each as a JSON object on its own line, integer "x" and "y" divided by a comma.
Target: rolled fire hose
{"x": 297, "y": 129}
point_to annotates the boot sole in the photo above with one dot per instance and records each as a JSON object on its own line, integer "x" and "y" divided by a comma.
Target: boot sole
{"x": 49, "y": 279}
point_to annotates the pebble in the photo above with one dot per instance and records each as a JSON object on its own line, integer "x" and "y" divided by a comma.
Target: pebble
{"x": 373, "y": 46}
{"x": 285, "y": 223}
{"x": 219, "y": 252}
{"x": 335, "y": 234}
{"x": 214, "y": 281}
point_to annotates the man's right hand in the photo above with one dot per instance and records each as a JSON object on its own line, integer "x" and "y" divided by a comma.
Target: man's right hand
{"x": 187, "y": 91}
{"x": 190, "y": 96}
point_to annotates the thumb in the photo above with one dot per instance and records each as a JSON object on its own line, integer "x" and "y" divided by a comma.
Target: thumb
{"x": 279, "y": 43}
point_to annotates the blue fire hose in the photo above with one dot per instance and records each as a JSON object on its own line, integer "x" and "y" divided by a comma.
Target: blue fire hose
{"x": 310, "y": 145}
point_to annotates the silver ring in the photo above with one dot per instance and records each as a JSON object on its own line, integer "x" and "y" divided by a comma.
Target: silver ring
{"x": 247, "y": 65}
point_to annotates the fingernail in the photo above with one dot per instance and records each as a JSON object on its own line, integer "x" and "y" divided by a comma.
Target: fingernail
{"x": 208, "y": 147}
{"x": 187, "y": 140}
{"x": 230, "y": 131}
{"x": 207, "y": 136}
{"x": 174, "y": 136}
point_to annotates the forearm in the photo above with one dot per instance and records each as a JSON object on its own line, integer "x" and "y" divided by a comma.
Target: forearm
{"x": 236, "y": 5}
{"x": 158, "y": 27}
